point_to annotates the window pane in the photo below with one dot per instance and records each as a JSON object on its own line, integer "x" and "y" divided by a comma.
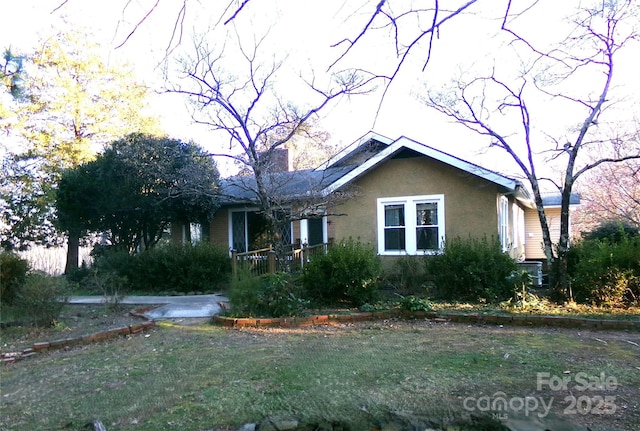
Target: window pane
{"x": 394, "y": 215}
{"x": 257, "y": 231}
{"x": 394, "y": 239}
{"x": 196, "y": 232}
{"x": 315, "y": 231}
{"x": 427, "y": 238}
{"x": 427, "y": 214}
{"x": 238, "y": 231}
{"x": 283, "y": 218}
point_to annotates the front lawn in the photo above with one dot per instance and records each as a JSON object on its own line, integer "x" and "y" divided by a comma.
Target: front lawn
{"x": 364, "y": 375}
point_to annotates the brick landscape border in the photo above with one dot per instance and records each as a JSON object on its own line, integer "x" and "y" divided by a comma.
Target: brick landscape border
{"x": 477, "y": 318}
{"x": 63, "y": 343}
{"x": 326, "y": 319}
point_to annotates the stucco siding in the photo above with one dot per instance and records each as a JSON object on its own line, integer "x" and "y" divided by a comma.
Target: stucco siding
{"x": 470, "y": 202}
{"x": 219, "y": 228}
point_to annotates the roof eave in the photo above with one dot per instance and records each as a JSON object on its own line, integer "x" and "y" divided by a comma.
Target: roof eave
{"x": 403, "y": 142}
{"x": 352, "y": 147}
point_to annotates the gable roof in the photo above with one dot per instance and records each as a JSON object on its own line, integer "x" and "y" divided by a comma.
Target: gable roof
{"x": 402, "y": 143}
{"x": 357, "y": 159}
{"x": 354, "y": 147}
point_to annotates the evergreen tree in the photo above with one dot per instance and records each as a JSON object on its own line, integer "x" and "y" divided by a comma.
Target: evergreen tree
{"x": 72, "y": 104}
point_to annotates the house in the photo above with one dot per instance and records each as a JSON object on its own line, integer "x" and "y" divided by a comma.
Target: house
{"x": 401, "y": 195}
{"x": 533, "y": 241}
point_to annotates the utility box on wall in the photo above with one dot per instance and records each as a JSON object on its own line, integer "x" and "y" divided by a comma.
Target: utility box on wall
{"x": 533, "y": 268}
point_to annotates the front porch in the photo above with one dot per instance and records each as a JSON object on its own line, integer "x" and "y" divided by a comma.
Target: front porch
{"x": 289, "y": 258}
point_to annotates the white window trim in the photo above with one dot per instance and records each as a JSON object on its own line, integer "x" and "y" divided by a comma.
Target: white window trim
{"x": 304, "y": 231}
{"x": 518, "y": 226}
{"x": 503, "y": 223}
{"x": 230, "y": 223}
{"x": 410, "y": 203}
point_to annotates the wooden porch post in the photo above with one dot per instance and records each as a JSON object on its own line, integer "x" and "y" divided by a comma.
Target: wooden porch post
{"x": 234, "y": 263}
{"x": 304, "y": 250}
{"x": 271, "y": 257}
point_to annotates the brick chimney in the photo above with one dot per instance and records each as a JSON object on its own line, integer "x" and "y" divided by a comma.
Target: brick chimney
{"x": 279, "y": 160}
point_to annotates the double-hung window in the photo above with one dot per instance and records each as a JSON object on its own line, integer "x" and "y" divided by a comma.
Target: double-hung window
{"x": 410, "y": 224}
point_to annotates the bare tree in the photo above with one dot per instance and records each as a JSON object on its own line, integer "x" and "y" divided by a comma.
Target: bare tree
{"x": 411, "y": 28}
{"x": 256, "y": 122}
{"x": 493, "y": 106}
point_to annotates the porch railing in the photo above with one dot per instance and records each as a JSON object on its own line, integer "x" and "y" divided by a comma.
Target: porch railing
{"x": 268, "y": 261}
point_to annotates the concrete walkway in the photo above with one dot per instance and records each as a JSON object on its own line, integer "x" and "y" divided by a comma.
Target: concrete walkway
{"x": 169, "y": 307}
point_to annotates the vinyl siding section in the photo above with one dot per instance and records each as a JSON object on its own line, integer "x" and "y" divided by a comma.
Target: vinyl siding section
{"x": 534, "y": 248}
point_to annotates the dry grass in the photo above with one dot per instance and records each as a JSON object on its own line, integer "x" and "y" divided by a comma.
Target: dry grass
{"x": 204, "y": 377}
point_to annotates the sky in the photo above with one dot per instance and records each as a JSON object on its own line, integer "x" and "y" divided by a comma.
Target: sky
{"x": 303, "y": 32}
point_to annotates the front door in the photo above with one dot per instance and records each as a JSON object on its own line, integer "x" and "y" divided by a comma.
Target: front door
{"x": 315, "y": 231}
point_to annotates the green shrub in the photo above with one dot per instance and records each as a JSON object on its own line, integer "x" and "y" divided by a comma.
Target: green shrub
{"x": 612, "y": 231}
{"x": 187, "y": 268}
{"x": 413, "y": 303}
{"x": 113, "y": 261}
{"x": 471, "y": 269}
{"x": 383, "y": 305}
{"x": 406, "y": 275}
{"x": 109, "y": 284}
{"x": 170, "y": 267}
{"x": 605, "y": 272}
{"x": 348, "y": 273}
{"x": 79, "y": 276}
{"x": 13, "y": 272}
{"x": 269, "y": 295}
{"x": 41, "y": 298}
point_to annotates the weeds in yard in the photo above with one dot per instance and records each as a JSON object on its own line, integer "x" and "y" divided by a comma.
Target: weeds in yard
{"x": 413, "y": 303}
{"x": 197, "y": 378}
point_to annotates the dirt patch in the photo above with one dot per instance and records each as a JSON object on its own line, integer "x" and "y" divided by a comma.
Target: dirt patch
{"x": 75, "y": 320}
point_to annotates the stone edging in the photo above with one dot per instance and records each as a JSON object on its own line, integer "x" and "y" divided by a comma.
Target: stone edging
{"x": 11, "y": 357}
{"x": 479, "y": 318}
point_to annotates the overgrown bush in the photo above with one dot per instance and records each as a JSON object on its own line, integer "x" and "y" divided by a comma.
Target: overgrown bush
{"x": 269, "y": 295}
{"x": 606, "y": 271}
{"x": 29, "y": 296}
{"x": 109, "y": 284}
{"x": 40, "y": 299}
{"x": 202, "y": 267}
{"x": 348, "y": 273}
{"x": 523, "y": 299}
{"x": 79, "y": 276}
{"x": 178, "y": 268}
{"x": 13, "y": 272}
{"x": 471, "y": 269}
{"x": 405, "y": 275}
{"x": 112, "y": 261}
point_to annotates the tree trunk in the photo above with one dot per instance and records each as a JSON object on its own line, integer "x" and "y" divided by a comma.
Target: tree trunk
{"x": 73, "y": 246}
